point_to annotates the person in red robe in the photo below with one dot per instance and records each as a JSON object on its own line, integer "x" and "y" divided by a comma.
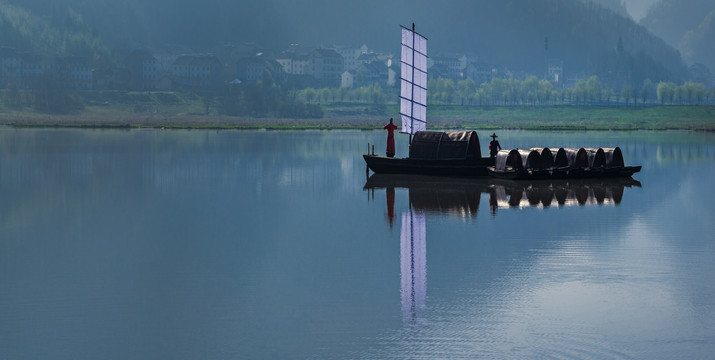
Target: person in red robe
{"x": 390, "y": 150}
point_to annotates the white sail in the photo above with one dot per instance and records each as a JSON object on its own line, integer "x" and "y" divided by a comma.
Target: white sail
{"x": 413, "y": 92}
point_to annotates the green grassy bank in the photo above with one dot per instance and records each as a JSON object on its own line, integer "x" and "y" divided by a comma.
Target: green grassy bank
{"x": 192, "y": 114}
{"x": 579, "y": 117}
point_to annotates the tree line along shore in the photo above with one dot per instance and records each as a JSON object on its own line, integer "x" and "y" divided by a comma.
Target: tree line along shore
{"x": 370, "y": 116}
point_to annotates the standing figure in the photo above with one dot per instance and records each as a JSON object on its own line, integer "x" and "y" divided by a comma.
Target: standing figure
{"x": 494, "y": 146}
{"x": 390, "y": 150}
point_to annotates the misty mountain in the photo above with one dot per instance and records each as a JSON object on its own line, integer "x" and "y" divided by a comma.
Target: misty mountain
{"x": 582, "y": 34}
{"x": 689, "y": 26}
{"x": 698, "y": 45}
{"x": 617, "y": 6}
{"x": 672, "y": 19}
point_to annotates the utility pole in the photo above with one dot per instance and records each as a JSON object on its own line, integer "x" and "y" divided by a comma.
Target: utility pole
{"x": 546, "y": 57}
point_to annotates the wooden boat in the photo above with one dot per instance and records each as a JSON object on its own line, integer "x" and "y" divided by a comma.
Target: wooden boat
{"x": 449, "y": 153}
{"x": 457, "y": 153}
{"x": 462, "y": 168}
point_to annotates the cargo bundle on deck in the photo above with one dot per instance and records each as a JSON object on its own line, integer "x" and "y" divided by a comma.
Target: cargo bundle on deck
{"x": 561, "y": 163}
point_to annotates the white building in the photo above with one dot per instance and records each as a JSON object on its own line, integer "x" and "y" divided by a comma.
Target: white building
{"x": 556, "y": 72}
{"x": 294, "y": 64}
{"x": 350, "y": 56}
{"x": 347, "y": 79}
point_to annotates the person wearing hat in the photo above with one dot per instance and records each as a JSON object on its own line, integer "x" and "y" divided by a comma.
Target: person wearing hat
{"x": 494, "y": 146}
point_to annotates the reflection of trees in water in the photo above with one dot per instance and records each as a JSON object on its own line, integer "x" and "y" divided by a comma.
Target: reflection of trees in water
{"x": 684, "y": 153}
{"x": 669, "y": 153}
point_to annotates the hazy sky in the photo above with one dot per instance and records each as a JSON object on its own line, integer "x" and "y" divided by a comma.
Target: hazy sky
{"x": 639, "y": 8}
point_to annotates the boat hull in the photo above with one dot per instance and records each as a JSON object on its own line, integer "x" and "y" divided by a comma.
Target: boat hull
{"x": 461, "y": 168}
{"x": 562, "y": 173}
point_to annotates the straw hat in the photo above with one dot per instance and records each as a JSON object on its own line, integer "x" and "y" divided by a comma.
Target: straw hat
{"x": 493, "y": 135}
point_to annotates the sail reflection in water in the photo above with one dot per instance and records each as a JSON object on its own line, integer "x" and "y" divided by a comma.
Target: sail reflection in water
{"x": 413, "y": 264}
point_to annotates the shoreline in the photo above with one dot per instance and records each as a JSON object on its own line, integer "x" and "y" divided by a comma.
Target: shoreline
{"x": 695, "y": 118}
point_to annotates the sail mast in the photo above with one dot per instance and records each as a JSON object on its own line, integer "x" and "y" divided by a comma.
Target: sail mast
{"x": 412, "y": 109}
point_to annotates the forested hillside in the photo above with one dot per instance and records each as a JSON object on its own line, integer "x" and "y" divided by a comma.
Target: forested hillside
{"x": 61, "y": 32}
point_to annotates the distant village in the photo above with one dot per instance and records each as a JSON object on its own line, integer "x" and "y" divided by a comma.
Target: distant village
{"x": 338, "y": 68}
{"x": 295, "y": 67}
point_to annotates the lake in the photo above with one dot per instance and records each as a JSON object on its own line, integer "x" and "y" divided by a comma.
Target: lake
{"x": 151, "y": 244}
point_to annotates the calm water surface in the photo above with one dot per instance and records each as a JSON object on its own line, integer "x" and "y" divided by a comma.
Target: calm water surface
{"x": 149, "y": 244}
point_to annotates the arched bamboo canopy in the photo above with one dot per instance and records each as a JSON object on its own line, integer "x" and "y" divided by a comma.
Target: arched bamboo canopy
{"x": 547, "y": 156}
{"x": 596, "y": 157}
{"x": 445, "y": 145}
{"x": 531, "y": 159}
{"x": 614, "y": 157}
{"x": 577, "y": 157}
{"x": 518, "y": 159}
{"x": 560, "y": 158}
{"x": 506, "y": 158}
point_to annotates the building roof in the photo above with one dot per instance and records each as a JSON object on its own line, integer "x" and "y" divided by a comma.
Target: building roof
{"x": 140, "y": 55}
{"x": 6, "y": 52}
{"x": 369, "y": 57}
{"x": 327, "y": 53}
{"x": 197, "y": 60}
{"x": 372, "y": 67}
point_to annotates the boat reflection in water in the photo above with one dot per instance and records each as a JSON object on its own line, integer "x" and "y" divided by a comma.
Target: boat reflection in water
{"x": 430, "y": 195}
{"x": 461, "y": 197}
{"x": 545, "y": 193}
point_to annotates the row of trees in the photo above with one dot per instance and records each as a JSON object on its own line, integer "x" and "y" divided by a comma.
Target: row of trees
{"x": 263, "y": 99}
{"x": 528, "y": 92}
{"x": 267, "y": 99}
{"x": 366, "y": 94}
{"x": 50, "y": 96}
{"x": 688, "y": 93}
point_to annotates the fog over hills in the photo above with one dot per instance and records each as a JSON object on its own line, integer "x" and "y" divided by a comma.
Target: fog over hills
{"x": 672, "y": 19}
{"x": 689, "y": 26}
{"x": 581, "y": 33}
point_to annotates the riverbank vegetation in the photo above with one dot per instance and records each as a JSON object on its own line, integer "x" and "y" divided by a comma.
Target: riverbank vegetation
{"x": 500, "y": 103}
{"x": 528, "y": 92}
{"x": 189, "y": 112}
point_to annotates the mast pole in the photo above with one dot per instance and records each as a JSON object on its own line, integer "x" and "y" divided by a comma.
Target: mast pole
{"x": 412, "y": 98}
